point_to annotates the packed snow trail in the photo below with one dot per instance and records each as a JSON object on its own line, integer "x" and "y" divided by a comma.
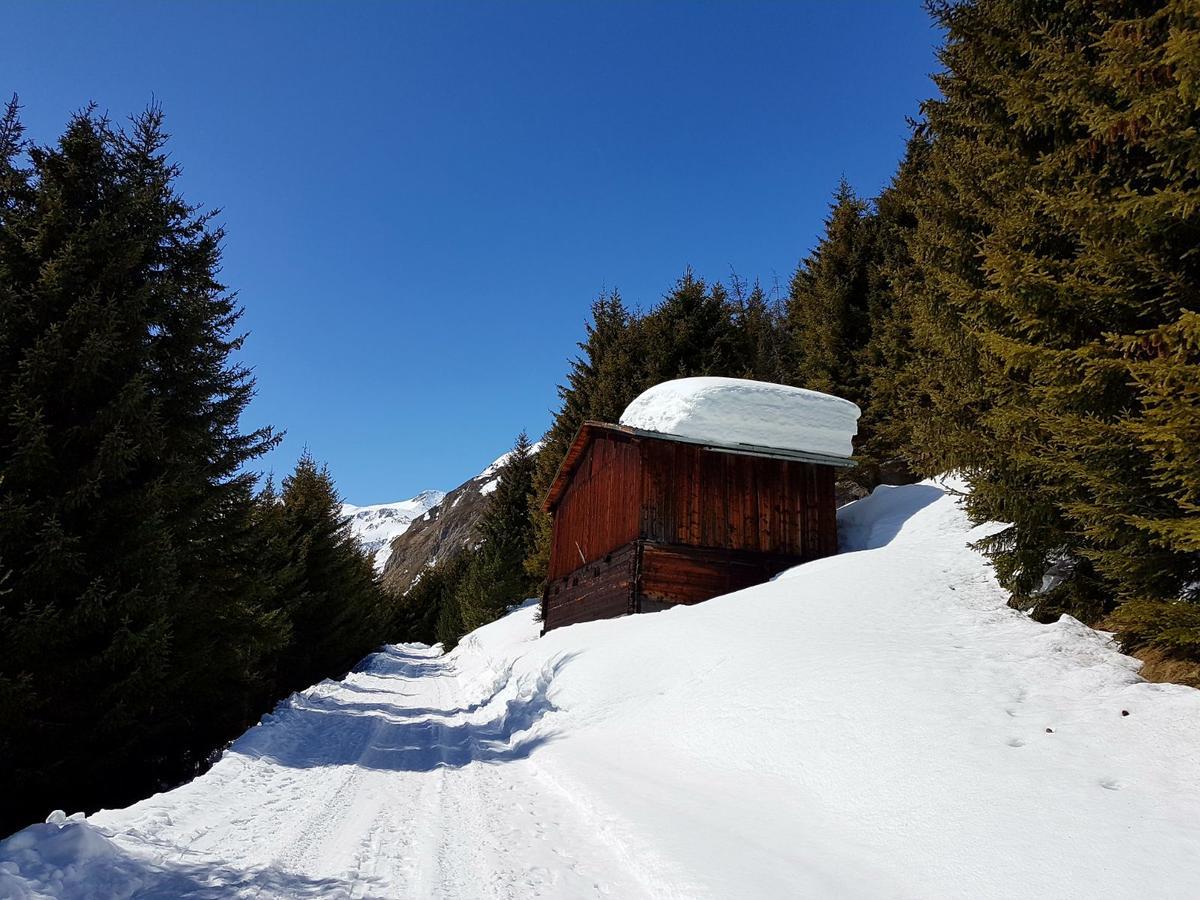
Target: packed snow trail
{"x": 876, "y": 724}
{"x": 394, "y": 782}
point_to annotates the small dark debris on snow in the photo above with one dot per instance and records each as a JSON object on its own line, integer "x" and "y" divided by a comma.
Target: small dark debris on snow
{"x": 1049, "y": 731}
{"x": 1124, "y": 712}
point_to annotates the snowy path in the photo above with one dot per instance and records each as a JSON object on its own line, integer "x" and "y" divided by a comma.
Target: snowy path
{"x": 395, "y": 782}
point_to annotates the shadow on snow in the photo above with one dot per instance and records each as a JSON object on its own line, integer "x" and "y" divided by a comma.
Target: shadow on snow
{"x": 311, "y": 730}
{"x": 208, "y": 880}
{"x": 890, "y": 508}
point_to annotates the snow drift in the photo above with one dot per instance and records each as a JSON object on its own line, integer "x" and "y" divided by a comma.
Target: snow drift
{"x": 874, "y": 724}
{"x": 732, "y": 411}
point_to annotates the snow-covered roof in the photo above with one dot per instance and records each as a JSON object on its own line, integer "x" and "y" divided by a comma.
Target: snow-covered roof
{"x": 739, "y": 413}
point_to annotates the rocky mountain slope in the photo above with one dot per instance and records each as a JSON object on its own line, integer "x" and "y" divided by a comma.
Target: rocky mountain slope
{"x": 378, "y": 525}
{"x": 443, "y": 529}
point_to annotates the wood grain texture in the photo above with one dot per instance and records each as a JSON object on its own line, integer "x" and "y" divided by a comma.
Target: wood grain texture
{"x": 601, "y": 589}
{"x": 597, "y": 511}
{"x": 642, "y": 517}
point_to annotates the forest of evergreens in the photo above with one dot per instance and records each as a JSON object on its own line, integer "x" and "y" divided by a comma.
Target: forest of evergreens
{"x": 1020, "y": 305}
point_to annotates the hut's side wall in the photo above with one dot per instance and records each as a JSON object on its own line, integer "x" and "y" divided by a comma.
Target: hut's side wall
{"x": 732, "y": 501}
{"x": 598, "y": 512}
{"x": 601, "y": 589}
{"x": 675, "y": 574}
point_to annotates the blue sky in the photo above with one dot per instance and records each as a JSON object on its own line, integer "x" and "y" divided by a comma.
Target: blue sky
{"x": 423, "y": 199}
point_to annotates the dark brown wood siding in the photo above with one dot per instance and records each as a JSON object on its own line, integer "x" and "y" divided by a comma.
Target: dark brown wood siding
{"x": 641, "y": 522}
{"x": 705, "y": 498}
{"x": 598, "y": 511}
{"x": 674, "y": 574}
{"x": 599, "y": 590}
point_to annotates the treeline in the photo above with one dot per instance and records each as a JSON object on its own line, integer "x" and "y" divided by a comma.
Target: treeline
{"x": 153, "y": 602}
{"x": 1021, "y": 305}
{"x": 1051, "y": 301}
{"x": 476, "y": 585}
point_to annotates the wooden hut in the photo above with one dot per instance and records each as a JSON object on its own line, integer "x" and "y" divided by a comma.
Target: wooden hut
{"x": 643, "y": 520}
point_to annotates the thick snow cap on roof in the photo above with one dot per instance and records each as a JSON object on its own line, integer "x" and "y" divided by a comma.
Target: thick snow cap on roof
{"x": 732, "y": 411}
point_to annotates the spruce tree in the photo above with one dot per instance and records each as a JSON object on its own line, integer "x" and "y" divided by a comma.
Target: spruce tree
{"x": 828, "y": 301}
{"x": 328, "y": 590}
{"x": 890, "y": 373}
{"x": 496, "y": 577}
{"x": 419, "y": 615}
{"x": 123, "y": 494}
{"x": 600, "y": 383}
{"x": 691, "y": 332}
{"x": 1056, "y": 245}
{"x": 758, "y": 322}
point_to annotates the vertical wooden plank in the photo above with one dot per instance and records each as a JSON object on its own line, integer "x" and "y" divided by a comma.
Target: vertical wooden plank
{"x": 761, "y": 492}
{"x": 806, "y": 510}
{"x": 829, "y": 508}
{"x": 814, "y": 513}
{"x": 749, "y": 511}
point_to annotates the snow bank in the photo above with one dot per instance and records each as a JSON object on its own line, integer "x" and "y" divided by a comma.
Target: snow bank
{"x": 874, "y": 724}
{"x": 737, "y": 411}
{"x": 65, "y": 857}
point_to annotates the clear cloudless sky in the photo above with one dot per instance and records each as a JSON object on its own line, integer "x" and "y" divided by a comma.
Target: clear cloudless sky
{"x": 422, "y": 199}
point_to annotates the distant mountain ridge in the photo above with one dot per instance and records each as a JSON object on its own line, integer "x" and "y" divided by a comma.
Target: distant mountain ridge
{"x": 376, "y": 526}
{"x": 442, "y": 530}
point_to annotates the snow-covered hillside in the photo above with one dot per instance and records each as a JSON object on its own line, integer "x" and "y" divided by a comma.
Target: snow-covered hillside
{"x": 875, "y": 724}
{"x": 376, "y": 526}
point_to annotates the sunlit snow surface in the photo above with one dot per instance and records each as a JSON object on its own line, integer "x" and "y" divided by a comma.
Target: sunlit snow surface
{"x": 730, "y": 411}
{"x": 876, "y": 724}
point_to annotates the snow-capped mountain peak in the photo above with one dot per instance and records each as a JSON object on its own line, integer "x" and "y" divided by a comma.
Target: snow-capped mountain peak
{"x": 492, "y": 473}
{"x": 377, "y": 525}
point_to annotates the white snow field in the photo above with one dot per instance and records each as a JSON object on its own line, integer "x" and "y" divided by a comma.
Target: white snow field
{"x": 877, "y": 724}
{"x": 733, "y": 411}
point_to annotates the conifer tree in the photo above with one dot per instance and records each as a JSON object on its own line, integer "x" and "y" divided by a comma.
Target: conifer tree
{"x": 450, "y": 628}
{"x": 829, "y": 299}
{"x": 1056, "y": 243}
{"x": 758, "y": 324}
{"x": 890, "y": 374}
{"x": 496, "y": 577}
{"x": 328, "y": 591}
{"x": 691, "y": 332}
{"x": 123, "y": 497}
{"x": 600, "y": 384}
{"x": 420, "y": 614}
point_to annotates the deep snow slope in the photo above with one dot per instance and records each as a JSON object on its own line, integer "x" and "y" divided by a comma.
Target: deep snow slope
{"x": 876, "y": 724}
{"x": 376, "y": 526}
